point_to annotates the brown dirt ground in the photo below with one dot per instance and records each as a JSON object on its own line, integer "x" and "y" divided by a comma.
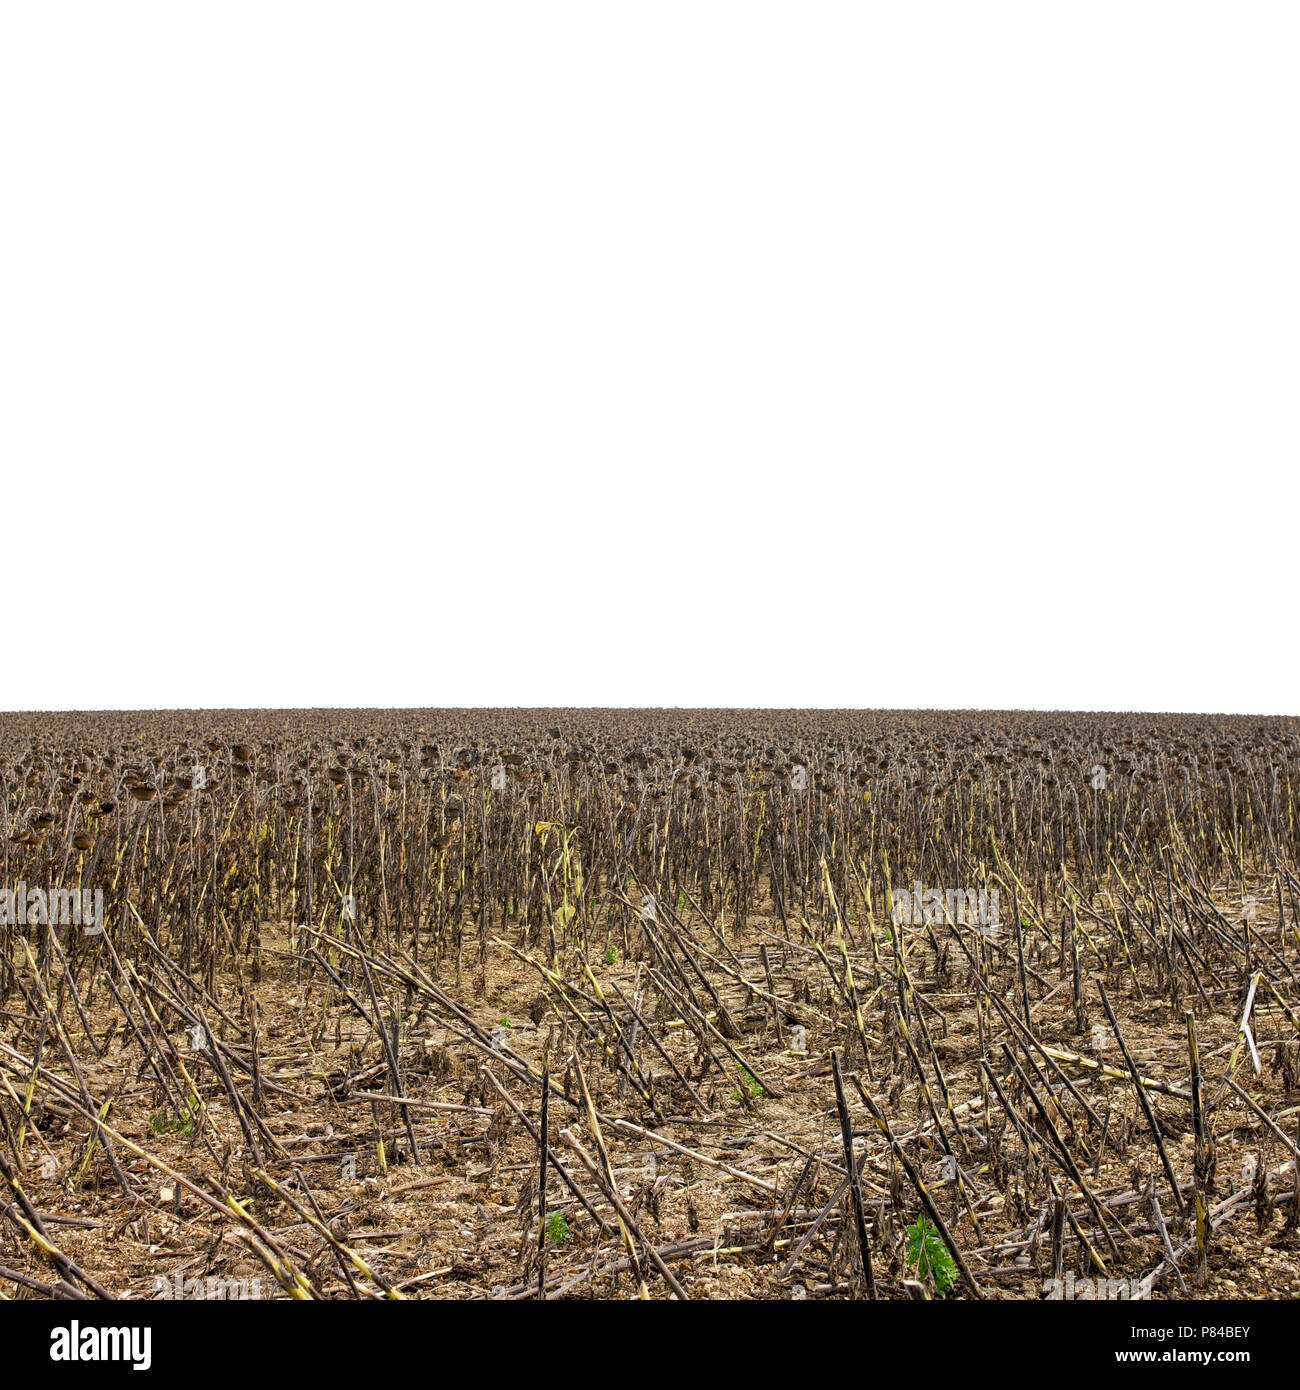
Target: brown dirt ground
{"x": 458, "y": 1225}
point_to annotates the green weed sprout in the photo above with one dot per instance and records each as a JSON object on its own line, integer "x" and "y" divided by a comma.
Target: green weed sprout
{"x": 557, "y": 1229}
{"x": 930, "y": 1257}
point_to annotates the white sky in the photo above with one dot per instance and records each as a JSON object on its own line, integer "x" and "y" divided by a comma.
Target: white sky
{"x": 676, "y": 353}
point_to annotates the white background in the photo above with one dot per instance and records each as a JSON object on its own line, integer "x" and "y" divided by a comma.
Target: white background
{"x": 675, "y": 353}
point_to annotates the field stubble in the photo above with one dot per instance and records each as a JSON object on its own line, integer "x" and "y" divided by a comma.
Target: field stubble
{"x": 307, "y": 1052}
